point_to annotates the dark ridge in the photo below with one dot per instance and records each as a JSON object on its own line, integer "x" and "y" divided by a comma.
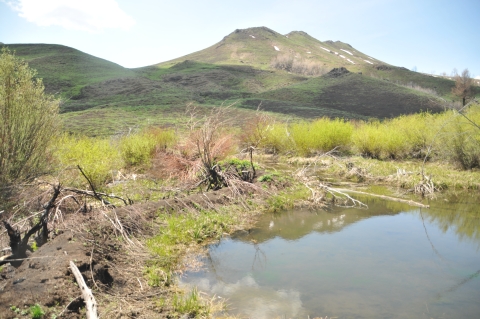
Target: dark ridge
{"x": 383, "y": 67}
{"x": 299, "y": 32}
{"x": 337, "y": 72}
{"x": 255, "y": 29}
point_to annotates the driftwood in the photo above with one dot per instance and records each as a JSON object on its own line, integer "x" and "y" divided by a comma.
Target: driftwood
{"x": 87, "y": 295}
{"x": 395, "y": 199}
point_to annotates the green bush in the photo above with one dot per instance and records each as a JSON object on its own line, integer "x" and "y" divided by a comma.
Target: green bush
{"x": 99, "y": 158}
{"x": 321, "y": 135}
{"x": 460, "y": 139}
{"x": 367, "y": 139}
{"x": 29, "y": 121}
{"x": 277, "y": 139}
{"x": 138, "y": 149}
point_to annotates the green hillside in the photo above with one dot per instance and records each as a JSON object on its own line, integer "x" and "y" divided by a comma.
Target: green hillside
{"x": 251, "y": 67}
{"x": 66, "y": 70}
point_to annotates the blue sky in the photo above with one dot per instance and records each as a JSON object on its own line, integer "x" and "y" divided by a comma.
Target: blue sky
{"x": 434, "y": 36}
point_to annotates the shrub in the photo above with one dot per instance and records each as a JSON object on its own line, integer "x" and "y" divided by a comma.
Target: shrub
{"x": 139, "y": 149}
{"x": 97, "y": 157}
{"x": 321, "y": 135}
{"x": 367, "y": 139}
{"x": 298, "y": 65}
{"x": 28, "y": 121}
{"x": 460, "y": 141}
{"x": 277, "y": 139}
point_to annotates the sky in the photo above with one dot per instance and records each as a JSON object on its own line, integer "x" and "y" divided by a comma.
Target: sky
{"x": 430, "y": 36}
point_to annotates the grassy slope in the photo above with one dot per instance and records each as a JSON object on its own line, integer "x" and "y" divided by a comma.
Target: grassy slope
{"x": 238, "y": 68}
{"x": 349, "y": 95}
{"x": 66, "y": 70}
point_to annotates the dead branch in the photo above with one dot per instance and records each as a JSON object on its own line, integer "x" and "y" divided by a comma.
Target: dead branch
{"x": 19, "y": 245}
{"x": 340, "y": 194}
{"x": 394, "y": 199}
{"x": 91, "y": 304}
{"x": 98, "y": 195}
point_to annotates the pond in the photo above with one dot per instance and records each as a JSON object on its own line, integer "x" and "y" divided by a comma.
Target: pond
{"x": 387, "y": 261}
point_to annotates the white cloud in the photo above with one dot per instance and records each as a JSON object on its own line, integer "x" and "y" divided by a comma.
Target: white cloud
{"x": 86, "y": 15}
{"x": 251, "y": 299}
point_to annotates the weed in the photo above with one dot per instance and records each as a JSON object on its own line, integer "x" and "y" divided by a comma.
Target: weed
{"x": 190, "y": 304}
{"x": 265, "y": 178}
{"x": 36, "y": 311}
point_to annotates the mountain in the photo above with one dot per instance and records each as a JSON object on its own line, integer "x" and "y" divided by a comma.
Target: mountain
{"x": 257, "y": 47}
{"x": 293, "y": 74}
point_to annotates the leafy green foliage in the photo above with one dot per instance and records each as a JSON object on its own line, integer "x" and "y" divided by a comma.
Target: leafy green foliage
{"x": 99, "y": 158}
{"x": 28, "y": 121}
{"x": 460, "y": 139}
{"x": 321, "y": 135}
{"x": 138, "y": 149}
{"x": 36, "y": 311}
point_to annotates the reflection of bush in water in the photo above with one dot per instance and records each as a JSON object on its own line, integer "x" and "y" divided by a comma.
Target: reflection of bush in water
{"x": 459, "y": 215}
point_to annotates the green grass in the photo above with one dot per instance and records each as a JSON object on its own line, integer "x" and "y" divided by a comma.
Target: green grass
{"x": 191, "y": 304}
{"x": 181, "y": 231}
{"x": 36, "y": 311}
{"x": 65, "y": 69}
{"x": 106, "y": 98}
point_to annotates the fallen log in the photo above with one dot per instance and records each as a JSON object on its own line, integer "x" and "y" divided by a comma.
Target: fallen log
{"x": 395, "y": 199}
{"x": 87, "y": 295}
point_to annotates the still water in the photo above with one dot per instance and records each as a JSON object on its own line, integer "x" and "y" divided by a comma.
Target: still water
{"x": 387, "y": 261}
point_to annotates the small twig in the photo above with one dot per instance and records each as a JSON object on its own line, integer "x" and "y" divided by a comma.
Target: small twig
{"x": 61, "y": 313}
{"x": 96, "y": 195}
{"x": 91, "y": 270}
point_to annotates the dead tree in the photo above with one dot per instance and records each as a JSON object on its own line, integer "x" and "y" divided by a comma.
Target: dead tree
{"x": 20, "y": 245}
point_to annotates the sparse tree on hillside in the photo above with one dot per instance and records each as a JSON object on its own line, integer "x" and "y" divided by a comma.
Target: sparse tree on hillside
{"x": 463, "y": 85}
{"x": 28, "y": 121}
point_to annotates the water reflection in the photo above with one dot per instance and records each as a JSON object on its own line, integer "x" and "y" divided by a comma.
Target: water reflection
{"x": 458, "y": 213}
{"x": 387, "y": 261}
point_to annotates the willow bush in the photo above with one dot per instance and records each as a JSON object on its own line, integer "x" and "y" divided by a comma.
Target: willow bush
{"x": 138, "y": 149}
{"x": 29, "y": 121}
{"x": 321, "y": 135}
{"x": 459, "y": 141}
{"x": 98, "y": 157}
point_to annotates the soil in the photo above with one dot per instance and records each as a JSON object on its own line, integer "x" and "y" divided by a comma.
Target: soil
{"x": 111, "y": 265}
